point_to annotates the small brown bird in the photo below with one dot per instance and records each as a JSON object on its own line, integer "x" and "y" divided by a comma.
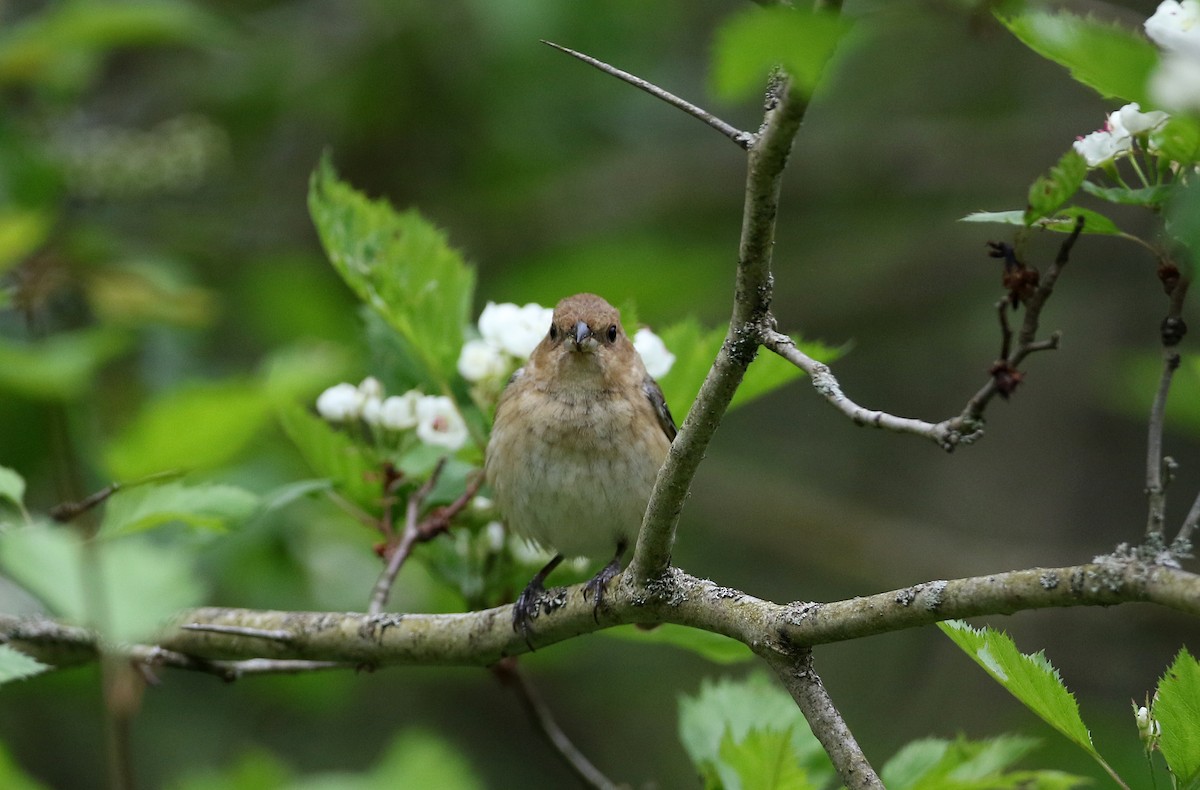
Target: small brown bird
{"x": 580, "y": 433}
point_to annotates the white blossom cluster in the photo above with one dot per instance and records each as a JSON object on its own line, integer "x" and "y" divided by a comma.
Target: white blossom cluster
{"x": 1116, "y": 138}
{"x": 435, "y": 417}
{"x": 1175, "y": 28}
{"x": 509, "y": 333}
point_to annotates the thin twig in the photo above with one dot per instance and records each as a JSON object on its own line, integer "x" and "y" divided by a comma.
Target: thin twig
{"x": 826, "y": 384}
{"x": 796, "y": 672}
{"x": 435, "y": 523}
{"x": 509, "y": 674}
{"x": 277, "y": 635}
{"x": 743, "y": 139}
{"x": 1184, "y": 538}
{"x": 1156, "y": 463}
{"x": 69, "y": 511}
{"x": 229, "y": 671}
{"x": 408, "y": 539}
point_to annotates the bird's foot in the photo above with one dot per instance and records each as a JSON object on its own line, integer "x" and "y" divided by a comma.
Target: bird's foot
{"x": 598, "y": 586}
{"x": 525, "y": 609}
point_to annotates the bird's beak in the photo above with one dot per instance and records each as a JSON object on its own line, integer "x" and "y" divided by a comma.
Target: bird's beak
{"x": 582, "y": 333}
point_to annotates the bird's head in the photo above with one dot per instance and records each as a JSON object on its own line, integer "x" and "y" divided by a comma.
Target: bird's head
{"x": 585, "y": 338}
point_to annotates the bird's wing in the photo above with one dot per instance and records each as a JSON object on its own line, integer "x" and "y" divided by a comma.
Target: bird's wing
{"x": 655, "y": 395}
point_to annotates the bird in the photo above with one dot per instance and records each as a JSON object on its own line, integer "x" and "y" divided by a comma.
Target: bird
{"x": 579, "y": 434}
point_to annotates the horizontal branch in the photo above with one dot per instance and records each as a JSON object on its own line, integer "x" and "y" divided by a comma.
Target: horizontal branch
{"x": 483, "y": 638}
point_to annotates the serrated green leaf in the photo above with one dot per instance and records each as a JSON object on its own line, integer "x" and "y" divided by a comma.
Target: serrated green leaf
{"x": 206, "y": 506}
{"x": 1050, "y": 191}
{"x": 962, "y": 764}
{"x": 750, "y": 44}
{"x": 913, "y": 763}
{"x": 1112, "y": 60}
{"x": 1146, "y": 196}
{"x": 398, "y": 264}
{"x": 736, "y": 708}
{"x": 330, "y": 453}
{"x": 60, "y": 367}
{"x": 714, "y": 647}
{"x": 12, "y": 486}
{"x": 1029, "y": 678}
{"x": 15, "y": 665}
{"x": 1062, "y": 222}
{"x": 1177, "y": 710}
{"x": 46, "y": 561}
{"x": 764, "y": 760}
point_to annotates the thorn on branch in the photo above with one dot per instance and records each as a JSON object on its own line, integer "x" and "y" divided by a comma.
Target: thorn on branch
{"x": 240, "y": 630}
{"x": 743, "y": 139}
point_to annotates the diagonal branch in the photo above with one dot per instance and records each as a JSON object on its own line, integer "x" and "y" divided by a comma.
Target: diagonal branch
{"x": 826, "y": 722}
{"x": 767, "y": 159}
{"x": 743, "y": 139}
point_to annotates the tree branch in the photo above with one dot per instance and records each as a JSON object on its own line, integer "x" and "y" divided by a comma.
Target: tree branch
{"x": 767, "y": 159}
{"x": 743, "y": 139}
{"x": 825, "y": 721}
{"x": 510, "y": 675}
{"x": 482, "y": 638}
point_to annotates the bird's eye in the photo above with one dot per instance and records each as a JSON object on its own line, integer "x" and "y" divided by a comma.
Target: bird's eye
{"x": 554, "y": 332}
{"x": 612, "y": 333}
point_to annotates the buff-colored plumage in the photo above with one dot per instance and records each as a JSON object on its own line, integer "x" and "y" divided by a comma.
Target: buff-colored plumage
{"x": 580, "y": 433}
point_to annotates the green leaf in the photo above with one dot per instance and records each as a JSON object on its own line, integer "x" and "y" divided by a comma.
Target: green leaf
{"x": 1050, "y": 191}
{"x": 1062, "y": 222}
{"x": 15, "y": 665}
{"x": 1029, "y": 678}
{"x": 961, "y": 764}
{"x": 331, "y": 453}
{"x": 12, "y": 486}
{"x": 21, "y": 232}
{"x": 1179, "y": 140}
{"x": 1177, "y": 710}
{"x": 1183, "y": 218}
{"x": 764, "y": 760}
{"x": 196, "y": 426}
{"x": 255, "y": 770}
{"x": 1113, "y": 61}
{"x": 61, "y": 46}
{"x": 60, "y": 367}
{"x": 207, "y": 506}
{"x": 714, "y": 647}
{"x": 733, "y": 709}
{"x": 752, "y": 43}
{"x": 421, "y": 759}
{"x": 695, "y": 349}
{"x": 1146, "y": 196}
{"x": 138, "y": 583}
{"x": 400, "y": 265}
{"x": 288, "y": 493}
{"x": 11, "y": 775}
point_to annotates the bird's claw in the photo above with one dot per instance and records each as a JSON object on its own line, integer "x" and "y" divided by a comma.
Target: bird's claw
{"x": 598, "y": 586}
{"x": 525, "y": 609}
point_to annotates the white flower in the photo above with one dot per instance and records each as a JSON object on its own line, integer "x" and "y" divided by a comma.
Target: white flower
{"x": 399, "y": 412}
{"x": 1101, "y": 147}
{"x": 1175, "y": 84}
{"x": 479, "y": 360}
{"x": 340, "y": 402}
{"x": 654, "y": 353}
{"x": 371, "y": 389}
{"x": 1175, "y": 26}
{"x": 495, "y": 533}
{"x": 1130, "y": 120}
{"x": 371, "y": 408}
{"x": 439, "y": 423}
{"x": 515, "y": 330}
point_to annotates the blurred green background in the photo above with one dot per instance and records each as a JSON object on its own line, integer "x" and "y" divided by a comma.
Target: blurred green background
{"x": 154, "y": 163}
